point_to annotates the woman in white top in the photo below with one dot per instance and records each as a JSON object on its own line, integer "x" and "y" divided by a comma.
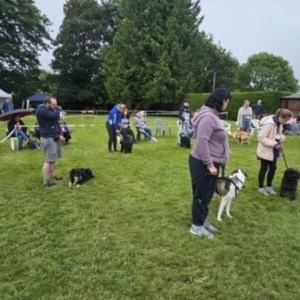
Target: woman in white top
{"x": 245, "y": 117}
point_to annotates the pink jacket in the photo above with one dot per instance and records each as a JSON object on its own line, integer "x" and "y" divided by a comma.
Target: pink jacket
{"x": 267, "y": 138}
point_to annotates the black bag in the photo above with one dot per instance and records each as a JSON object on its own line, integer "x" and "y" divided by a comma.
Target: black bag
{"x": 33, "y": 144}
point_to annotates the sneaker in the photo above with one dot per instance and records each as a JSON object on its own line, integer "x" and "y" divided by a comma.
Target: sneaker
{"x": 48, "y": 182}
{"x": 263, "y": 191}
{"x": 270, "y": 191}
{"x": 201, "y": 231}
{"x": 210, "y": 227}
{"x": 154, "y": 139}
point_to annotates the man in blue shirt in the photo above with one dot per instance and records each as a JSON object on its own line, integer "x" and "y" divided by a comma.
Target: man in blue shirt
{"x": 7, "y": 105}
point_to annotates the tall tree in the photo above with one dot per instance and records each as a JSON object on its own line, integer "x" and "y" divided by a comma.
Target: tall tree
{"x": 86, "y": 28}
{"x": 265, "y": 71}
{"x": 151, "y": 59}
{"x": 212, "y": 65}
{"x": 23, "y": 34}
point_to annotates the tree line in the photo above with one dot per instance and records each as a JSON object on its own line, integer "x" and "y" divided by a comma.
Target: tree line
{"x": 147, "y": 54}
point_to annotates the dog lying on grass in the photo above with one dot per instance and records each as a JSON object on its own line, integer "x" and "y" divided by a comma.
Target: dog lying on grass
{"x": 79, "y": 176}
{"x": 289, "y": 183}
{"x": 228, "y": 188}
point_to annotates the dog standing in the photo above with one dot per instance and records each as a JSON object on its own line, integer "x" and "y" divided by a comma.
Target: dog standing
{"x": 228, "y": 188}
{"x": 185, "y": 141}
{"x": 126, "y": 141}
{"x": 289, "y": 183}
{"x": 79, "y": 176}
{"x": 242, "y": 137}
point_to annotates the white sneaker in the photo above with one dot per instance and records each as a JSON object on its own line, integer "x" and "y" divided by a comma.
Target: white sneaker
{"x": 154, "y": 139}
{"x": 210, "y": 227}
{"x": 271, "y": 191}
{"x": 263, "y": 191}
{"x": 201, "y": 231}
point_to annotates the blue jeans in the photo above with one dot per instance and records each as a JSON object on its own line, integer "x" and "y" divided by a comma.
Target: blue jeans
{"x": 246, "y": 124}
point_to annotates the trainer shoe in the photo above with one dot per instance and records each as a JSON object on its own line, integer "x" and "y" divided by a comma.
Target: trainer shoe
{"x": 201, "y": 231}
{"x": 263, "y": 191}
{"x": 271, "y": 191}
{"x": 153, "y": 139}
{"x": 210, "y": 227}
{"x": 48, "y": 182}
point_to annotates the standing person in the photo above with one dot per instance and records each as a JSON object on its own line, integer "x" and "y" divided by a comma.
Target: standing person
{"x": 270, "y": 141}
{"x": 7, "y": 105}
{"x": 258, "y": 110}
{"x": 184, "y": 113}
{"x": 51, "y": 138}
{"x": 211, "y": 150}
{"x": 245, "y": 117}
{"x": 113, "y": 125}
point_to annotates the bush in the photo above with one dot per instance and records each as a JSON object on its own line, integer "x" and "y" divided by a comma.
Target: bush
{"x": 270, "y": 101}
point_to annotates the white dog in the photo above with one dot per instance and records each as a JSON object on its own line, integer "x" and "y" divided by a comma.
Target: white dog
{"x": 228, "y": 188}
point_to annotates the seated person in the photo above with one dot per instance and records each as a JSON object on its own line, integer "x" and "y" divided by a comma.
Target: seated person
{"x": 142, "y": 125}
{"x": 125, "y": 123}
{"x": 20, "y": 130}
{"x": 66, "y": 132}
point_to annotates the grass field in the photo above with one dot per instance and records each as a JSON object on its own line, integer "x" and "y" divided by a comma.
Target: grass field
{"x": 124, "y": 235}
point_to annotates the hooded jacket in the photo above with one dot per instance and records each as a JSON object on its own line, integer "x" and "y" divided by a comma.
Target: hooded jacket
{"x": 211, "y": 138}
{"x": 115, "y": 117}
{"x": 48, "y": 120}
{"x": 269, "y": 136}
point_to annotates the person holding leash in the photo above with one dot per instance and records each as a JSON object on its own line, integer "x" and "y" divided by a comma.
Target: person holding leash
{"x": 51, "y": 137}
{"x": 113, "y": 125}
{"x": 210, "y": 152}
{"x": 270, "y": 141}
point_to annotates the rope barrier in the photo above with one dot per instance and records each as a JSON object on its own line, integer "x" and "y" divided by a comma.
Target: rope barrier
{"x": 8, "y": 136}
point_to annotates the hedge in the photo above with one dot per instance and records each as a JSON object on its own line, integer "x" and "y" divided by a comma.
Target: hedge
{"x": 270, "y": 101}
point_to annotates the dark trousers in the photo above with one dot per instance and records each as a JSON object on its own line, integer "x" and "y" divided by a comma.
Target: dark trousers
{"x": 266, "y": 165}
{"x": 203, "y": 187}
{"x": 112, "y": 137}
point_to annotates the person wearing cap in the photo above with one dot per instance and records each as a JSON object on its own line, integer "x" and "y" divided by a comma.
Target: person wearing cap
{"x": 210, "y": 152}
{"x": 113, "y": 125}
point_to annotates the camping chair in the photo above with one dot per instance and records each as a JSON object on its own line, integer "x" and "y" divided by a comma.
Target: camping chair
{"x": 161, "y": 128}
{"x": 227, "y": 127}
{"x": 255, "y": 127}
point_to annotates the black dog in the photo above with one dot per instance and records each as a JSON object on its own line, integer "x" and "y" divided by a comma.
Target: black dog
{"x": 80, "y": 176}
{"x": 289, "y": 183}
{"x": 126, "y": 141}
{"x": 185, "y": 141}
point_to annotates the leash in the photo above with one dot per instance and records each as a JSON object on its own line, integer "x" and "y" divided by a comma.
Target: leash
{"x": 284, "y": 159}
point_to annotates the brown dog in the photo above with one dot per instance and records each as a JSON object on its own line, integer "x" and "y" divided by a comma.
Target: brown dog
{"x": 242, "y": 137}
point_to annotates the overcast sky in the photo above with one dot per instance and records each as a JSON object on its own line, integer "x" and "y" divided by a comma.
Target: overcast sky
{"x": 241, "y": 26}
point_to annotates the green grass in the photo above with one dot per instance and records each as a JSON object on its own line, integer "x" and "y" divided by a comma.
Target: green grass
{"x": 124, "y": 235}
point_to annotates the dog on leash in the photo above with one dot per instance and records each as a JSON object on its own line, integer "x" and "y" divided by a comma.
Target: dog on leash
{"x": 289, "y": 183}
{"x": 126, "y": 141}
{"x": 79, "y": 176}
{"x": 184, "y": 141}
{"x": 228, "y": 188}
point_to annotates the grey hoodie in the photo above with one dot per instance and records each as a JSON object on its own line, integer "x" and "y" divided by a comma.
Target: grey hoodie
{"x": 211, "y": 137}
